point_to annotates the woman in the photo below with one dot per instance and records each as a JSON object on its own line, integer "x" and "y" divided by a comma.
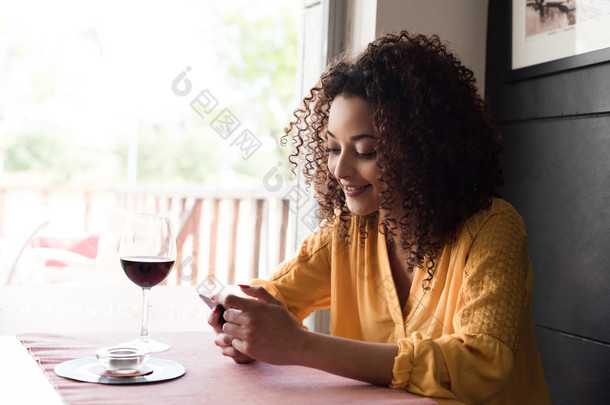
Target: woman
{"x": 425, "y": 270}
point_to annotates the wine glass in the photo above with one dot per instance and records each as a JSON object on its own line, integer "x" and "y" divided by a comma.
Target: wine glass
{"x": 148, "y": 253}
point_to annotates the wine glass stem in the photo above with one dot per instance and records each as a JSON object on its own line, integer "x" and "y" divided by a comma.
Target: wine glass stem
{"x": 144, "y": 331}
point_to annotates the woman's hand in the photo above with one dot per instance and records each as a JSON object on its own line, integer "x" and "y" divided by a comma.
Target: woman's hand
{"x": 260, "y": 328}
{"x": 223, "y": 340}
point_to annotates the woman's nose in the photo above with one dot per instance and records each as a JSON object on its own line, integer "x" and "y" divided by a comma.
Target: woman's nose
{"x": 344, "y": 167}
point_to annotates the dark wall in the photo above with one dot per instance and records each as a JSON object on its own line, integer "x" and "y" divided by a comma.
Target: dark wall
{"x": 557, "y": 166}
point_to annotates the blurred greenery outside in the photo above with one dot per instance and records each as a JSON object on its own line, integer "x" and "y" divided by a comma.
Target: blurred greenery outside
{"x": 255, "y": 55}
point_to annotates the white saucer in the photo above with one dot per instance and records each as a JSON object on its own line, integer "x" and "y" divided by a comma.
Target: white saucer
{"x": 89, "y": 370}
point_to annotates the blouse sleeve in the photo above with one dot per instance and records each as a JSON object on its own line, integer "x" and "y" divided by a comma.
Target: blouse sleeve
{"x": 303, "y": 282}
{"x": 475, "y": 363}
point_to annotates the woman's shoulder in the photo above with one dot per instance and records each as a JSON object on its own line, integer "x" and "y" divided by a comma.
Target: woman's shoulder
{"x": 335, "y": 232}
{"x": 500, "y": 215}
{"x": 319, "y": 239}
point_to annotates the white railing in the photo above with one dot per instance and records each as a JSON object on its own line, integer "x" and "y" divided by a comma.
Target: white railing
{"x": 223, "y": 236}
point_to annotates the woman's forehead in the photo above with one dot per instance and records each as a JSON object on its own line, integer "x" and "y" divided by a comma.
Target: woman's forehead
{"x": 350, "y": 116}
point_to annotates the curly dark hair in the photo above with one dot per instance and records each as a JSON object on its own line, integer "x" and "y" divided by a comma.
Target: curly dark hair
{"x": 437, "y": 148}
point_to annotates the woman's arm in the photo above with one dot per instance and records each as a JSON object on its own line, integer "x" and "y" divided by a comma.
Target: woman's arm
{"x": 264, "y": 330}
{"x": 364, "y": 361}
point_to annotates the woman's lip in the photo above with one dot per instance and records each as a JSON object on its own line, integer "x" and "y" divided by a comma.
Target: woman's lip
{"x": 355, "y": 191}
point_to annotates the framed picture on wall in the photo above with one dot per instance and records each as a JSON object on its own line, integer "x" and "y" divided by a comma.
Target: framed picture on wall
{"x": 550, "y": 36}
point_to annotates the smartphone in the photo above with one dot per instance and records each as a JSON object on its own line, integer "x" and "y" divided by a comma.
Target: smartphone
{"x": 207, "y": 298}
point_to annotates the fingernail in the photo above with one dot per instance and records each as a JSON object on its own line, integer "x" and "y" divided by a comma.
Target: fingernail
{"x": 243, "y": 286}
{"x": 215, "y": 310}
{"x": 213, "y": 297}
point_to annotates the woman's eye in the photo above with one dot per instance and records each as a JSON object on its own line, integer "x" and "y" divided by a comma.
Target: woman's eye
{"x": 332, "y": 150}
{"x": 368, "y": 155}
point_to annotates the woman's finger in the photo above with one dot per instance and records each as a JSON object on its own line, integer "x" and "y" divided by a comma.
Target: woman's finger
{"x": 229, "y": 300}
{"x": 237, "y": 356}
{"x": 232, "y": 352}
{"x": 223, "y": 340}
{"x": 260, "y": 293}
{"x": 214, "y": 320}
{"x": 237, "y": 326}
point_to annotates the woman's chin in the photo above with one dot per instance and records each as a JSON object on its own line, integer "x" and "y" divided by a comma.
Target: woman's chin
{"x": 360, "y": 210}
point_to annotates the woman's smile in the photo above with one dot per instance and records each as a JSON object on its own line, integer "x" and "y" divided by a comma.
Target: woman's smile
{"x": 355, "y": 191}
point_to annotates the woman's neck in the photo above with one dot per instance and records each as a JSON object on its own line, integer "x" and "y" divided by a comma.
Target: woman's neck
{"x": 402, "y": 275}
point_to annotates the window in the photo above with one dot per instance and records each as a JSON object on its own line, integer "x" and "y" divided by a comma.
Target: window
{"x": 115, "y": 106}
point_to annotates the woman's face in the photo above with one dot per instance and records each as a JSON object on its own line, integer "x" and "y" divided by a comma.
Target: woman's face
{"x": 351, "y": 154}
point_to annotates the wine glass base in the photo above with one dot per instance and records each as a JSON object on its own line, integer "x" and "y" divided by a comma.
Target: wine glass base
{"x": 148, "y": 345}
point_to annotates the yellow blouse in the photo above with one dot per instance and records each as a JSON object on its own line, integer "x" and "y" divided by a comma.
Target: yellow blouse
{"x": 470, "y": 337}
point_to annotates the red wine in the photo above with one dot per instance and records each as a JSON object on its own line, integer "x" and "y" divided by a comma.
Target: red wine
{"x": 147, "y": 271}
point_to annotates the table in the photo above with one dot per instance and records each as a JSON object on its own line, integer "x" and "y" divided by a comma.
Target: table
{"x": 22, "y": 381}
{"x": 210, "y": 377}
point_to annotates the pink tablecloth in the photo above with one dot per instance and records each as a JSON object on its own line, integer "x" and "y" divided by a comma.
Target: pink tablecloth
{"x": 210, "y": 377}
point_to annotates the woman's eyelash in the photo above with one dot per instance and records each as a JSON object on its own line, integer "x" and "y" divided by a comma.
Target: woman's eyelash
{"x": 367, "y": 155}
